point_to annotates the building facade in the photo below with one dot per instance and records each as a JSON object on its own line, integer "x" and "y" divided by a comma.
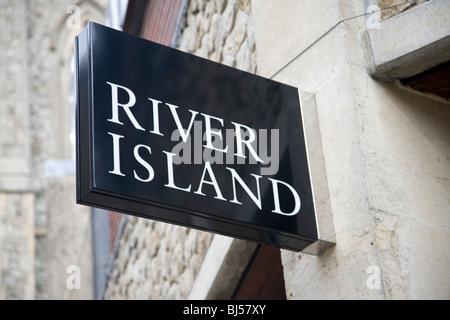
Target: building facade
{"x": 385, "y": 143}
{"x": 376, "y": 73}
{"x": 44, "y": 236}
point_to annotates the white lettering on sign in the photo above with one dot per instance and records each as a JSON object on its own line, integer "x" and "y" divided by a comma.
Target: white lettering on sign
{"x": 126, "y": 107}
{"x": 145, "y": 164}
{"x": 209, "y": 132}
{"x": 116, "y": 154}
{"x": 242, "y": 138}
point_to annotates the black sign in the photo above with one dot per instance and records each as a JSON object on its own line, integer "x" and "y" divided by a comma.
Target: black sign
{"x": 169, "y": 136}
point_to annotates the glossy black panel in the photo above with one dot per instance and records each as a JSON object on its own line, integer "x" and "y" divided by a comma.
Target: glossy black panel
{"x": 124, "y": 146}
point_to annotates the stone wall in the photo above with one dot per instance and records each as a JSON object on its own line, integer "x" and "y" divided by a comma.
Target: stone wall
{"x": 386, "y": 152}
{"x": 16, "y": 192}
{"x": 157, "y": 260}
{"x": 63, "y": 227}
{"x": 221, "y": 31}
{"x": 390, "y": 8}
{"x": 42, "y": 230}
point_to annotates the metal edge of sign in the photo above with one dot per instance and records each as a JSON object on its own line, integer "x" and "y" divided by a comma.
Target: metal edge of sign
{"x": 194, "y": 221}
{"x": 82, "y": 100}
{"x": 319, "y": 184}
